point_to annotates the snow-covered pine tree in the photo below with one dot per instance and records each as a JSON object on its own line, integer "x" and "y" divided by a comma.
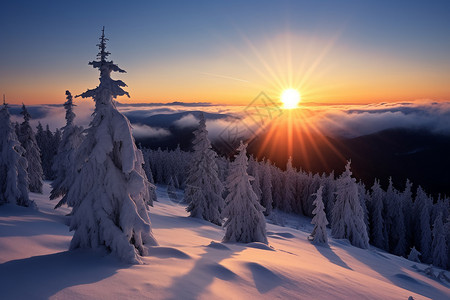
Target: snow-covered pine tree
{"x": 397, "y": 230}
{"x": 347, "y": 215}
{"x": 222, "y": 165}
{"x": 48, "y": 152}
{"x": 159, "y": 167}
{"x": 302, "y": 182}
{"x": 254, "y": 172}
{"x": 64, "y": 161}
{"x": 204, "y": 189}
{"x": 245, "y": 222}
{"x": 319, "y": 233}
{"x": 13, "y": 165}
{"x": 439, "y": 244}
{"x": 407, "y": 205}
{"x": 266, "y": 187}
{"x": 110, "y": 189}
{"x": 32, "y": 153}
{"x": 388, "y": 214}
{"x": 39, "y": 135}
{"x": 363, "y": 200}
{"x": 152, "y": 187}
{"x": 447, "y": 237}
{"x": 329, "y": 192}
{"x": 414, "y": 255}
{"x": 56, "y": 141}
{"x": 277, "y": 185}
{"x": 314, "y": 182}
{"x": 289, "y": 185}
{"x": 422, "y": 205}
{"x": 376, "y": 220}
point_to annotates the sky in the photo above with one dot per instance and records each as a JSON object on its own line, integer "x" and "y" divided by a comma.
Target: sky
{"x": 227, "y": 52}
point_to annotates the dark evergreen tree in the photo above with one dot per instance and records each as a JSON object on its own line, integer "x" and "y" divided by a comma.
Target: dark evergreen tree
{"x": 27, "y": 139}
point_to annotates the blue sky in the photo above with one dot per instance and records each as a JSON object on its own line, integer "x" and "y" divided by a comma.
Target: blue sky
{"x": 47, "y": 44}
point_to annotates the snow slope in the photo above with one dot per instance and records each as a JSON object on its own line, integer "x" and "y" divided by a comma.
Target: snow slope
{"x": 191, "y": 263}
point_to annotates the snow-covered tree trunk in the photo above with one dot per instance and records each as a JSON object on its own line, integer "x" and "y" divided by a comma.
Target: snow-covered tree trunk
{"x": 245, "y": 221}
{"x": 13, "y": 166}
{"x": 319, "y": 234}
{"x": 347, "y": 215}
{"x": 204, "y": 189}
{"x": 110, "y": 189}
{"x": 32, "y": 153}
{"x": 64, "y": 162}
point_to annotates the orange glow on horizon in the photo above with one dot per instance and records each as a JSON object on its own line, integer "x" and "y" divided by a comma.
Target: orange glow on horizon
{"x": 318, "y": 66}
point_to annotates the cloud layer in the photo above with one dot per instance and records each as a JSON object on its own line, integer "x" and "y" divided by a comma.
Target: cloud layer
{"x": 334, "y": 120}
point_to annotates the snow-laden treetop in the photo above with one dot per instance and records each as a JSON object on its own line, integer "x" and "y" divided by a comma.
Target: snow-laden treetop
{"x": 25, "y": 113}
{"x": 107, "y": 85}
{"x": 68, "y": 105}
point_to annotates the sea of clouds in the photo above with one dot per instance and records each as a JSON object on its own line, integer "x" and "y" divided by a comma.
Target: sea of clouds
{"x": 333, "y": 120}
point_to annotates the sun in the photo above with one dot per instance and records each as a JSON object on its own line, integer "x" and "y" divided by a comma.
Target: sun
{"x": 290, "y": 98}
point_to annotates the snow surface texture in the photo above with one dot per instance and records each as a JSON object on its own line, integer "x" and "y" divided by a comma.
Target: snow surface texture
{"x": 192, "y": 264}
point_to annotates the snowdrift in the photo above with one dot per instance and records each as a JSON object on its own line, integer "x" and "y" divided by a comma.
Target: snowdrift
{"x": 191, "y": 263}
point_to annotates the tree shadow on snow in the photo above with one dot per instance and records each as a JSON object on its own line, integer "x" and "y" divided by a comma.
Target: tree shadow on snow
{"x": 40, "y": 277}
{"x": 206, "y": 269}
{"x": 265, "y": 279}
{"x": 392, "y": 271}
{"x": 327, "y": 252}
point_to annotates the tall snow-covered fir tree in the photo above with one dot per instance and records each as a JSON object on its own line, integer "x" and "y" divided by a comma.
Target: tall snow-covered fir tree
{"x": 266, "y": 188}
{"x": 397, "y": 230}
{"x": 13, "y": 165}
{"x": 245, "y": 221}
{"x": 48, "y": 144}
{"x": 204, "y": 189}
{"x": 363, "y": 200}
{"x": 388, "y": 215}
{"x": 32, "y": 153}
{"x": 439, "y": 245}
{"x": 253, "y": 171}
{"x": 152, "y": 187}
{"x": 376, "y": 220}
{"x": 407, "y": 205}
{"x": 64, "y": 162}
{"x": 289, "y": 186}
{"x": 423, "y": 237}
{"x": 347, "y": 215}
{"x": 277, "y": 185}
{"x": 319, "y": 233}
{"x": 110, "y": 188}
